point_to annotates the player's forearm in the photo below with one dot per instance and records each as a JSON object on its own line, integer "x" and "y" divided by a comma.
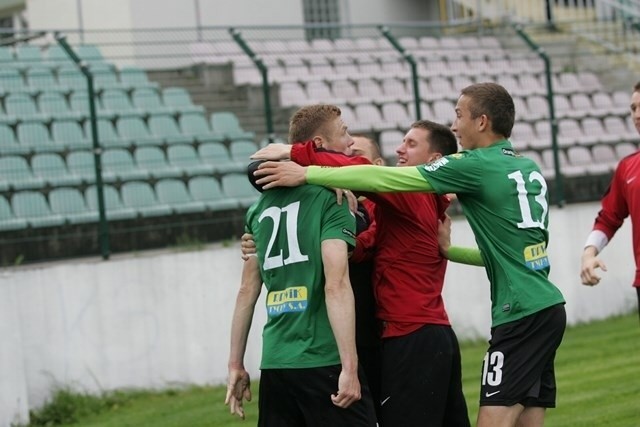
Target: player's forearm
{"x": 370, "y": 178}
{"x": 341, "y": 313}
{"x": 243, "y": 313}
{"x": 469, "y": 256}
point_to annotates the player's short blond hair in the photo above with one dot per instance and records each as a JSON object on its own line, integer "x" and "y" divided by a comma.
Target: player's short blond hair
{"x": 309, "y": 121}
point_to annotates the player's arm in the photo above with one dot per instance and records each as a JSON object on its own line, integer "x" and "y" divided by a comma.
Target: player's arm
{"x": 239, "y": 383}
{"x": 457, "y": 254}
{"x": 341, "y": 312}
{"x": 368, "y": 178}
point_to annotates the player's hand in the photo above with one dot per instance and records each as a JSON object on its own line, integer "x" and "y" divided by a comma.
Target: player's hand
{"x": 247, "y": 246}
{"x": 444, "y": 235}
{"x": 238, "y": 388}
{"x": 280, "y": 174}
{"x": 348, "y": 390}
{"x": 273, "y": 151}
{"x": 590, "y": 262}
{"x": 352, "y": 200}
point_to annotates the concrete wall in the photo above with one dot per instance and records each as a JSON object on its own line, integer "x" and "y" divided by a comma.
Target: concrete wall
{"x": 162, "y": 319}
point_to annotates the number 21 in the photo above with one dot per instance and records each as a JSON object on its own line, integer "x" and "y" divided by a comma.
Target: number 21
{"x": 295, "y": 255}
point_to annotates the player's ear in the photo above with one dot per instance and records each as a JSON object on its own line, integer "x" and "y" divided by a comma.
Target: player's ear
{"x": 317, "y": 141}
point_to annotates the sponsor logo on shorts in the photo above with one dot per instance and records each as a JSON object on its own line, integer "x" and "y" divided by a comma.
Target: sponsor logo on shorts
{"x": 435, "y": 165}
{"x": 290, "y": 300}
{"x": 535, "y": 256}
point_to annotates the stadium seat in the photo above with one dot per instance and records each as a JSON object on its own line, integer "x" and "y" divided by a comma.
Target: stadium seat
{"x": 180, "y": 101}
{"x": 23, "y": 108}
{"x": 538, "y": 107}
{"x": 195, "y": 125}
{"x": 53, "y": 104}
{"x": 117, "y": 163}
{"x": 28, "y": 54}
{"x": 166, "y": 128}
{"x": 369, "y": 90}
{"x": 16, "y": 171}
{"x": 69, "y": 135}
{"x": 135, "y": 130}
{"x": 521, "y": 135}
{"x": 543, "y": 135}
{"x": 389, "y": 142}
{"x": 319, "y": 92}
{"x": 116, "y": 103}
{"x": 174, "y": 193}
{"x": 371, "y": 117}
{"x": 33, "y": 206}
{"x": 594, "y": 132}
{"x": 12, "y": 82}
{"x": 136, "y": 78}
{"x": 141, "y": 197}
{"x": 241, "y": 150}
{"x": 107, "y": 135}
{"x": 56, "y": 57}
{"x": 104, "y": 76}
{"x": 623, "y": 149}
{"x": 345, "y": 67}
{"x": 186, "y": 159}
{"x": 6, "y": 57}
{"x": 69, "y": 203}
{"x": 89, "y": 53}
{"x": 291, "y": 94}
{"x": 581, "y": 162}
{"x": 9, "y": 143}
{"x": 51, "y": 168}
{"x": 604, "y": 105}
{"x": 347, "y": 90}
{"x": 41, "y": 79}
{"x": 237, "y": 186}
{"x": 81, "y": 163}
{"x": 147, "y": 100}
{"x": 207, "y": 190}
{"x": 396, "y": 113}
{"x": 565, "y": 166}
{"x": 569, "y": 133}
{"x": 8, "y": 221}
{"x": 36, "y": 137}
{"x": 227, "y": 123}
{"x": 394, "y": 89}
{"x": 217, "y": 155}
{"x": 604, "y": 159}
{"x": 444, "y": 111}
{"x": 152, "y": 159}
{"x": 70, "y": 78}
{"x": 616, "y": 127}
{"x": 115, "y": 209}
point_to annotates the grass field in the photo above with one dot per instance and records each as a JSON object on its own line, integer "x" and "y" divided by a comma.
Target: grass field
{"x": 597, "y": 369}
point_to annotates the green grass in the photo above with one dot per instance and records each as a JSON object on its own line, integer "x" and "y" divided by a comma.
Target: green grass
{"x": 597, "y": 370}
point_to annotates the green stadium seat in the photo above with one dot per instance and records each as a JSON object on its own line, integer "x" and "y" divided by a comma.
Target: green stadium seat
{"x": 70, "y": 78}
{"x": 33, "y": 206}
{"x": 104, "y": 76}
{"x": 81, "y": 163}
{"x": 6, "y": 57}
{"x": 241, "y": 150}
{"x": 226, "y": 123}
{"x": 42, "y": 79}
{"x": 117, "y": 163}
{"x": 89, "y": 53}
{"x": 8, "y": 220}
{"x": 116, "y": 103}
{"x": 140, "y": 196}
{"x": 69, "y": 135}
{"x": 55, "y": 105}
{"x": 166, "y": 127}
{"x": 36, "y": 137}
{"x": 180, "y": 100}
{"x": 135, "y": 78}
{"x": 56, "y": 57}
{"x": 107, "y": 136}
{"x": 148, "y": 101}
{"x": 237, "y": 186}
{"x": 196, "y": 126}
{"x": 9, "y": 143}
{"x": 186, "y": 158}
{"x": 135, "y": 130}
{"x": 16, "y": 171}
{"x": 207, "y": 189}
{"x": 51, "y": 168}
{"x": 69, "y": 203}
{"x": 11, "y": 81}
{"x": 153, "y": 160}
{"x": 79, "y": 101}
{"x": 23, "y": 108}
{"x": 217, "y": 155}
{"x": 28, "y": 54}
{"x": 115, "y": 210}
{"x": 174, "y": 193}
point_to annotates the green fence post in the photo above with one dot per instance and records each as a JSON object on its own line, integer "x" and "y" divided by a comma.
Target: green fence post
{"x": 552, "y": 113}
{"x": 103, "y": 233}
{"x": 266, "y": 90}
{"x": 412, "y": 63}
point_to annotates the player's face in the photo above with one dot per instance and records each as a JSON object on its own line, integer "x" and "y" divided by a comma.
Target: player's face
{"x": 415, "y": 148}
{"x": 362, "y": 147}
{"x": 336, "y": 137}
{"x": 465, "y": 127}
{"x": 635, "y": 110}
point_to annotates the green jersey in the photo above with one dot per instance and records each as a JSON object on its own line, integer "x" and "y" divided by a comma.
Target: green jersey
{"x": 288, "y": 226}
{"x": 504, "y": 197}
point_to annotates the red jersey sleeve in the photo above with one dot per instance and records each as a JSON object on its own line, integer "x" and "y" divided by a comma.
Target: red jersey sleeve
{"x": 366, "y": 241}
{"x": 306, "y": 154}
{"x": 614, "y": 204}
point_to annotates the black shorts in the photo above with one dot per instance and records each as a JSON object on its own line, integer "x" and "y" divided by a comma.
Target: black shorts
{"x": 302, "y": 398}
{"x": 422, "y": 380}
{"x": 518, "y": 367}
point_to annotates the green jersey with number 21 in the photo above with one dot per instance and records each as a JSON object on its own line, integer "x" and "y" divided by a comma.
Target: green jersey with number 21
{"x": 504, "y": 197}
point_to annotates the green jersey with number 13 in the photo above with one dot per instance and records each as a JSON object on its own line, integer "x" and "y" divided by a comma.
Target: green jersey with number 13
{"x": 288, "y": 226}
{"x": 504, "y": 197}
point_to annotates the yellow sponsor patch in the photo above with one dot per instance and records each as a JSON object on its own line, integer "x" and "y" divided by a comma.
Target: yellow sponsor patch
{"x": 535, "y": 256}
{"x": 290, "y": 300}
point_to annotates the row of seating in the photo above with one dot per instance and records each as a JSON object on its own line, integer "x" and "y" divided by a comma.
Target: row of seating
{"x": 158, "y": 130}
{"x": 118, "y": 164}
{"x": 133, "y": 199}
{"x": 22, "y": 56}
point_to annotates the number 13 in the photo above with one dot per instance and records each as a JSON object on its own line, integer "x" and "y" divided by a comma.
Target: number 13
{"x": 523, "y": 200}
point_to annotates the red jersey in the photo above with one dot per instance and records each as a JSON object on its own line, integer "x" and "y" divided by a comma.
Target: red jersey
{"x": 621, "y": 200}
{"x": 409, "y": 269}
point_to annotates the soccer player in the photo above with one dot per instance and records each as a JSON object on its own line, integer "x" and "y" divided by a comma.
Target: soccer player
{"x": 309, "y": 364}
{"x": 504, "y": 197}
{"x": 622, "y": 199}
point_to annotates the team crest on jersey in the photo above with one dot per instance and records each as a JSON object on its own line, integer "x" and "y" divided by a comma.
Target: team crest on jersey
{"x": 290, "y": 300}
{"x": 535, "y": 256}
{"x": 435, "y": 165}
{"x": 456, "y": 156}
{"x": 349, "y": 233}
{"x": 508, "y": 152}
